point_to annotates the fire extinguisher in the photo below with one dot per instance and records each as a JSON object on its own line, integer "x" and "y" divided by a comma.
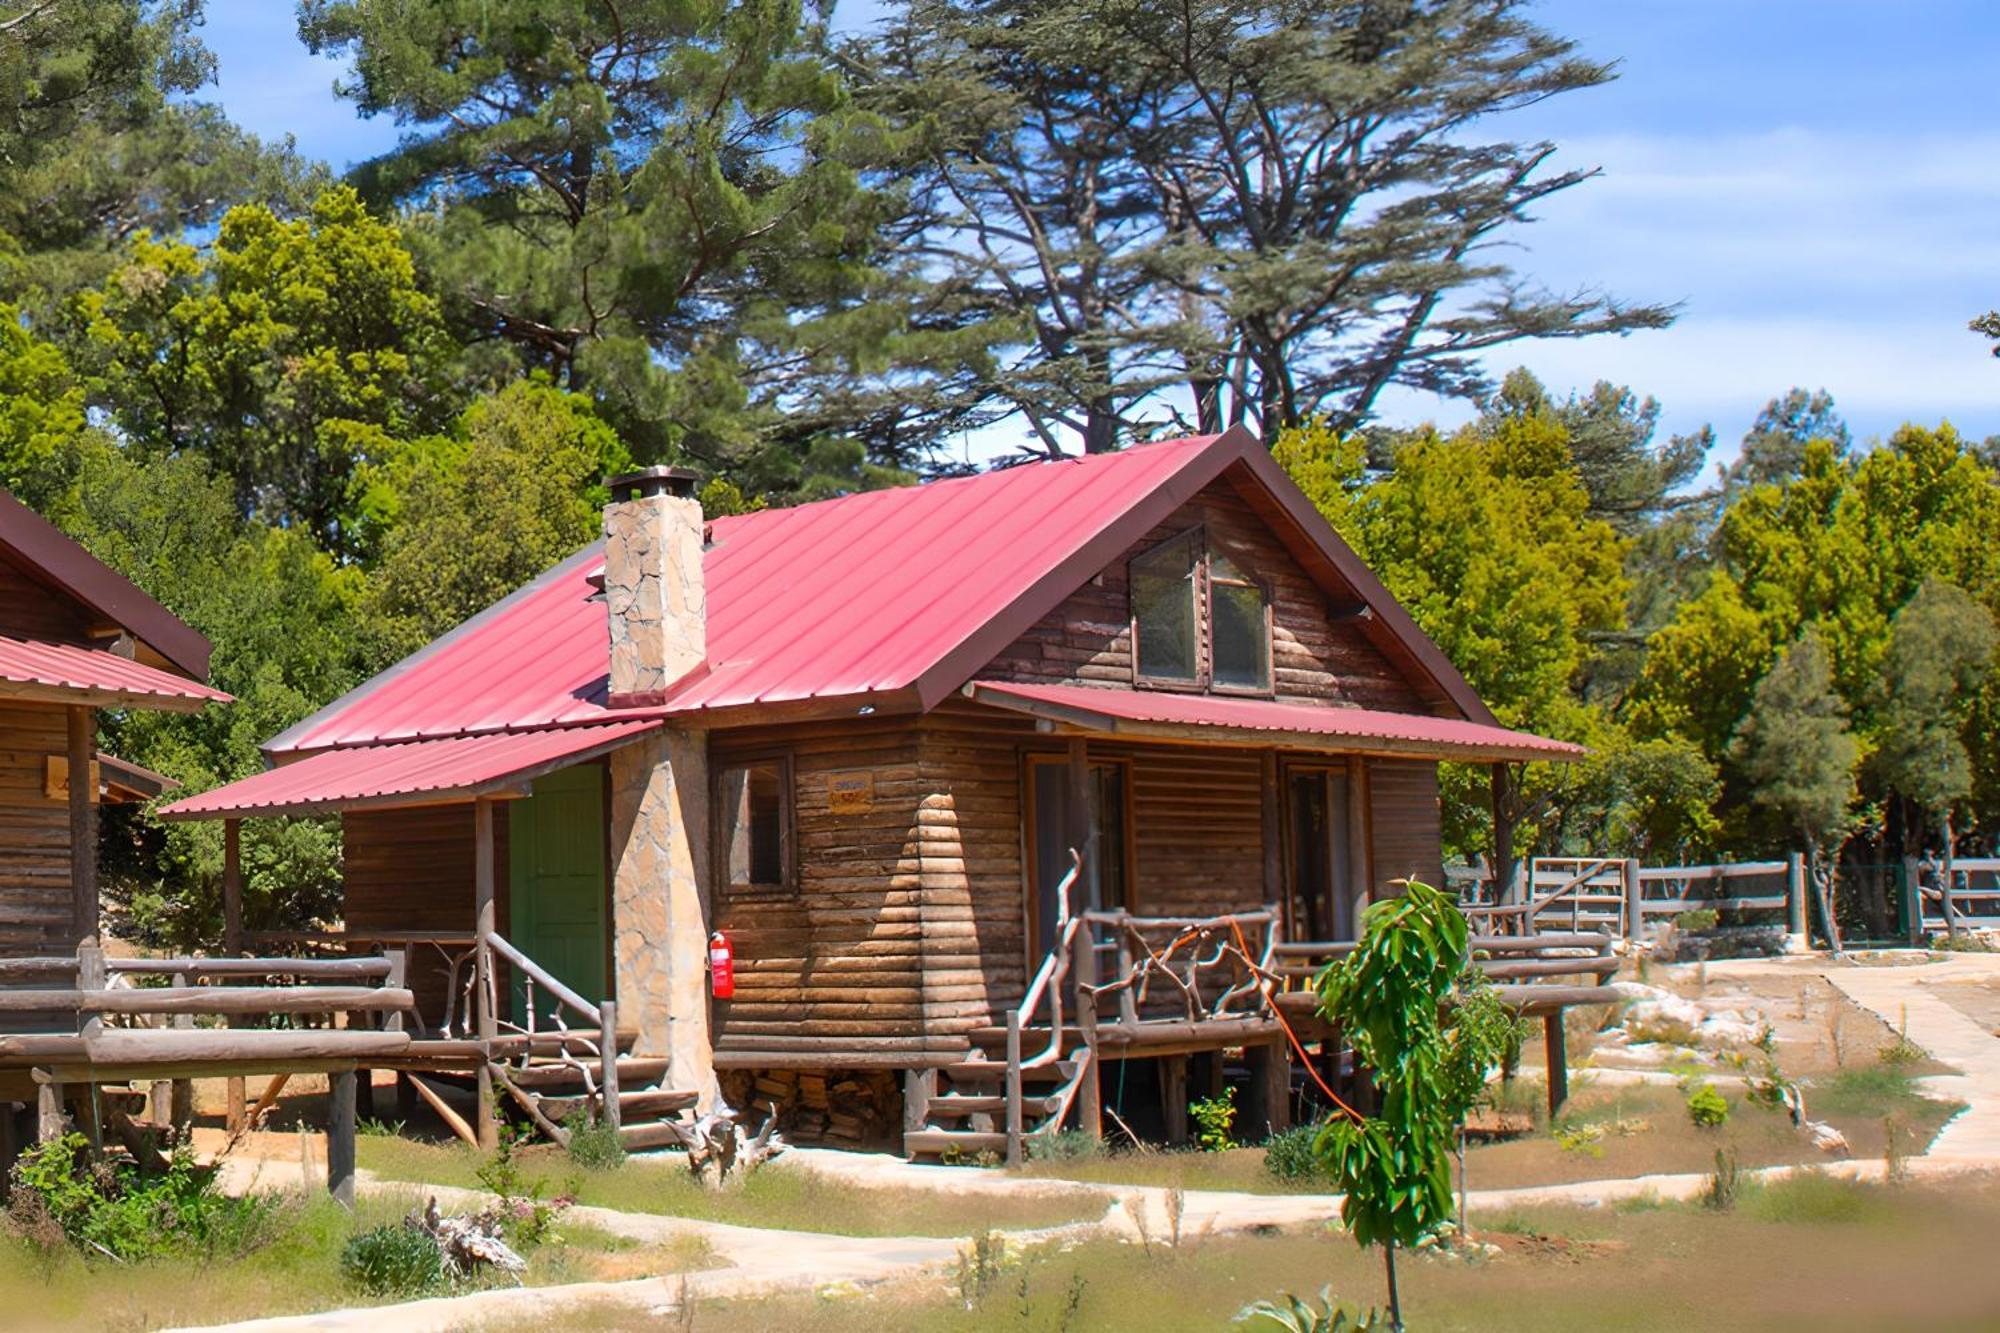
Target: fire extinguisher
{"x": 721, "y": 967}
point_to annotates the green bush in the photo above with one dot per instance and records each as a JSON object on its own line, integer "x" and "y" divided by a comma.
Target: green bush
{"x": 115, "y": 1208}
{"x": 594, "y": 1145}
{"x": 1216, "y": 1117}
{"x": 1289, "y": 1155}
{"x": 1696, "y": 921}
{"x": 1707, "y": 1108}
{"x": 393, "y": 1261}
{"x": 1071, "y": 1145}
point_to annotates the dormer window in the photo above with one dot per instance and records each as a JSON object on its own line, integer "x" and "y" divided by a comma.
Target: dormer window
{"x": 1199, "y": 619}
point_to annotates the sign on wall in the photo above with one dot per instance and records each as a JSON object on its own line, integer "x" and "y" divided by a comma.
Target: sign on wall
{"x": 850, "y": 793}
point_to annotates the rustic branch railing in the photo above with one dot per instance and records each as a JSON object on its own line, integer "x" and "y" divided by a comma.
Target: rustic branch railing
{"x": 1216, "y": 946}
{"x": 1047, "y": 987}
{"x": 600, "y": 1043}
{"x": 449, "y": 955}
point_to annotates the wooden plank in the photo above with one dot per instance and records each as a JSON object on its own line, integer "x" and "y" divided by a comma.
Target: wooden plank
{"x": 235, "y": 999}
{"x": 133, "y": 1047}
{"x": 325, "y": 969}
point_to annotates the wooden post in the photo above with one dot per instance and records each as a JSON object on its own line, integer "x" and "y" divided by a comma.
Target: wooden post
{"x": 919, "y": 1086}
{"x": 607, "y": 1052}
{"x": 1077, "y": 822}
{"x": 1635, "y": 900}
{"x": 180, "y": 1098}
{"x": 1272, "y": 822}
{"x": 1913, "y": 901}
{"x": 48, "y": 1112}
{"x": 1554, "y": 1038}
{"x": 232, "y": 943}
{"x": 82, "y": 821}
{"x": 340, "y": 1138}
{"x": 1795, "y": 894}
{"x": 486, "y": 923}
{"x": 1173, "y": 1097}
{"x": 1271, "y": 1087}
{"x": 1090, "y": 1096}
{"x": 1014, "y": 1137}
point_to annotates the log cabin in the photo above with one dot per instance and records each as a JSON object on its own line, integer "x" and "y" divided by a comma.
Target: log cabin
{"x": 920, "y": 812}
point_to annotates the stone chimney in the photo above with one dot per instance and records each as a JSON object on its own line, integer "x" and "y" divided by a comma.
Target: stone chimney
{"x": 653, "y": 584}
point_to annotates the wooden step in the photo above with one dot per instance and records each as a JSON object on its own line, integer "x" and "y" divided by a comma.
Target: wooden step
{"x": 641, "y": 1104}
{"x": 636, "y": 1070}
{"x": 960, "y": 1104}
{"x": 923, "y": 1142}
{"x": 648, "y": 1138}
{"x": 986, "y": 1071}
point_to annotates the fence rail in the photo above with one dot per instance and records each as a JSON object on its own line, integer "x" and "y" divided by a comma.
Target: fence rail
{"x": 1621, "y": 897}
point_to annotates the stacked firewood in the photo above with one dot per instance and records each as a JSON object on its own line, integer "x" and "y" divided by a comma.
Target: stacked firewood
{"x": 846, "y": 1107}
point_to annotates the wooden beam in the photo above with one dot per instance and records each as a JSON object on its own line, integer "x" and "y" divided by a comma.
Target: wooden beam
{"x": 1554, "y": 1039}
{"x": 1271, "y": 817}
{"x": 452, "y": 1119}
{"x": 232, "y": 942}
{"x": 340, "y": 1130}
{"x": 82, "y": 821}
{"x": 1173, "y": 1098}
{"x": 234, "y": 999}
{"x": 486, "y": 925}
{"x": 134, "y": 1047}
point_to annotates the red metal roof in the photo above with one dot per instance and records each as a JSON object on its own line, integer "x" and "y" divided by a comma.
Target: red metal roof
{"x": 884, "y": 599}
{"x": 1164, "y": 714}
{"x": 96, "y": 675}
{"x": 457, "y": 767}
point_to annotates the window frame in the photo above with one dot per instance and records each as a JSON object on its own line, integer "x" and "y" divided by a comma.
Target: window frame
{"x": 723, "y": 822}
{"x": 1204, "y": 681}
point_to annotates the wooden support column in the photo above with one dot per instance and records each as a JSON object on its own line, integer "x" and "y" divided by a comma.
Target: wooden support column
{"x": 48, "y": 1111}
{"x": 607, "y": 1054}
{"x": 1554, "y": 1039}
{"x": 83, "y": 821}
{"x": 919, "y": 1087}
{"x": 1077, "y": 826}
{"x": 1272, "y": 828}
{"x": 485, "y": 923}
{"x": 1270, "y": 1088}
{"x": 180, "y": 1093}
{"x": 1173, "y": 1098}
{"x": 232, "y": 944}
{"x": 340, "y": 1137}
{"x": 1635, "y": 897}
{"x": 1795, "y": 896}
{"x": 1090, "y": 1094}
{"x": 1360, "y": 873}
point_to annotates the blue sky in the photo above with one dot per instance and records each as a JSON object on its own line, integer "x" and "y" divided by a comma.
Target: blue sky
{"x": 1815, "y": 182}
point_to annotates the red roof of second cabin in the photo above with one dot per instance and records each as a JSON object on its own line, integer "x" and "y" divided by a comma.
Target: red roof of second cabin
{"x": 71, "y": 670}
{"x": 889, "y": 598}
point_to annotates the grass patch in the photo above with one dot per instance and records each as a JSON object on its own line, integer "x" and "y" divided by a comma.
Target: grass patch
{"x": 1234, "y": 1170}
{"x": 295, "y": 1270}
{"x": 785, "y": 1198}
{"x": 1814, "y": 1198}
{"x": 1564, "y": 1271}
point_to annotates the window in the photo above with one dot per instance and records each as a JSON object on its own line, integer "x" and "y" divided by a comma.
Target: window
{"x": 753, "y": 809}
{"x": 1199, "y": 619}
{"x": 1163, "y": 602}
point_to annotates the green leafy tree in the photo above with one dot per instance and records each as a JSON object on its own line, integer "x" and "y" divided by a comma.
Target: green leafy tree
{"x": 1774, "y": 448}
{"x": 288, "y": 354}
{"x": 1486, "y": 537}
{"x": 99, "y": 137}
{"x": 1390, "y": 997}
{"x": 655, "y": 202}
{"x": 1285, "y": 209}
{"x": 1940, "y": 653}
{"x": 471, "y": 517}
{"x": 1795, "y": 748}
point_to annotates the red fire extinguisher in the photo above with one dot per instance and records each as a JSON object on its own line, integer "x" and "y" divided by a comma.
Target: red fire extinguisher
{"x": 721, "y": 967}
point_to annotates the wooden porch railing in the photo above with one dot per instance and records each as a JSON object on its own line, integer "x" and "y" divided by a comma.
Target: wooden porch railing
{"x": 599, "y": 1042}
{"x": 1047, "y": 990}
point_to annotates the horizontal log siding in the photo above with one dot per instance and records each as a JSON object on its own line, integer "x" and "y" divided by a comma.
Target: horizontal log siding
{"x": 31, "y": 610}
{"x": 1403, "y": 814}
{"x": 412, "y": 869}
{"x": 35, "y": 898}
{"x": 841, "y": 960}
{"x": 1088, "y": 638}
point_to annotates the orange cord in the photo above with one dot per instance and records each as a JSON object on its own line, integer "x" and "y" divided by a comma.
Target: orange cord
{"x": 1293, "y": 1037}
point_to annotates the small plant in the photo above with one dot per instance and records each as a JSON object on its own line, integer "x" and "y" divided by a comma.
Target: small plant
{"x": 1718, "y": 1192}
{"x": 528, "y": 1217}
{"x": 1895, "y": 1161}
{"x": 1289, "y": 1155}
{"x": 1706, "y": 1107}
{"x": 1296, "y": 1316}
{"x": 1215, "y": 1116}
{"x": 980, "y": 1265}
{"x": 393, "y": 1261}
{"x": 1585, "y": 1137}
{"x": 1071, "y": 1145}
{"x": 593, "y": 1145}
{"x": 1902, "y": 1052}
{"x": 1697, "y": 921}
{"x": 368, "y": 1127}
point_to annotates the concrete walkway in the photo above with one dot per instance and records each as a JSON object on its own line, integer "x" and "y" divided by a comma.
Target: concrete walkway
{"x": 754, "y": 1262}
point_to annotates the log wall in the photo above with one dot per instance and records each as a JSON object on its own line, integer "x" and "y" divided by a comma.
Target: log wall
{"x": 35, "y": 898}
{"x": 1404, "y": 817}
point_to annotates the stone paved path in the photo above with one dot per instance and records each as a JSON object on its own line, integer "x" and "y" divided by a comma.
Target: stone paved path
{"x": 755, "y": 1261}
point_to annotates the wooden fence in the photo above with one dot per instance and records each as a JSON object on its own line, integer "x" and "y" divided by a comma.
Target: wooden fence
{"x": 1619, "y": 896}
{"x": 1973, "y": 896}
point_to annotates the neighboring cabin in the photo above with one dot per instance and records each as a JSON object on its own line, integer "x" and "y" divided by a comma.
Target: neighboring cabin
{"x": 861, "y": 737}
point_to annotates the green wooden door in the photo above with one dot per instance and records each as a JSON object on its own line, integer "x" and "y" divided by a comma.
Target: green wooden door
{"x": 555, "y": 850}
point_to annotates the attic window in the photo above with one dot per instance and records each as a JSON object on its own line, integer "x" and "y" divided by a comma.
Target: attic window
{"x": 1199, "y": 618}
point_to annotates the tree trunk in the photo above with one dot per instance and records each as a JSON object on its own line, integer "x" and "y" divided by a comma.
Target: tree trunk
{"x": 1822, "y": 878}
{"x": 1503, "y": 834}
{"x": 1395, "y": 1296}
{"x": 1461, "y": 1185}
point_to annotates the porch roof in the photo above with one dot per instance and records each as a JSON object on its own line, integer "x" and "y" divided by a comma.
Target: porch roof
{"x": 76, "y": 673}
{"x": 407, "y": 772}
{"x": 1220, "y": 720}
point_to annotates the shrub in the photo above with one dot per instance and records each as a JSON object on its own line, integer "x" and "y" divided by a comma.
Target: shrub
{"x": 529, "y": 1218}
{"x": 1216, "y": 1116}
{"x": 1296, "y": 1316}
{"x": 393, "y": 1261}
{"x": 1814, "y": 1197}
{"x": 1071, "y": 1145}
{"x": 1580, "y": 1137}
{"x": 1707, "y": 1108}
{"x": 1289, "y": 1155}
{"x": 1718, "y": 1193}
{"x": 119, "y": 1210}
{"x": 594, "y": 1145}
{"x": 1696, "y": 921}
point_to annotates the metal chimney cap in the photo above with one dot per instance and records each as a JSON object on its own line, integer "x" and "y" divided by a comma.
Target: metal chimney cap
{"x": 656, "y": 480}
